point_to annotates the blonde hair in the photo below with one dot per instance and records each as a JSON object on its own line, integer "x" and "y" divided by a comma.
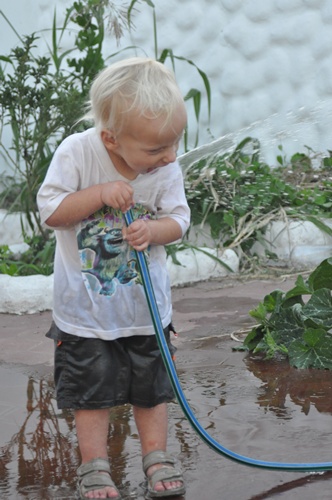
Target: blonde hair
{"x": 142, "y": 85}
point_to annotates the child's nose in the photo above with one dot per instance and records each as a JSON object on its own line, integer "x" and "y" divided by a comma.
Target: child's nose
{"x": 170, "y": 154}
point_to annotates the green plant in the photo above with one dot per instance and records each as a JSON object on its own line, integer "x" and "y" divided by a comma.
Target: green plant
{"x": 237, "y": 195}
{"x": 93, "y": 19}
{"x": 292, "y": 327}
{"x": 31, "y": 105}
{"x": 42, "y": 98}
{"x": 38, "y": 259}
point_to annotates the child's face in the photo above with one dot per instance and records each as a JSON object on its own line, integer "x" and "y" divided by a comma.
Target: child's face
{"x": 145, "y": 144}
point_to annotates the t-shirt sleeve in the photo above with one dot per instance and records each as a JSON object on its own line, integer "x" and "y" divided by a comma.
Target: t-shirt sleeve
{"x": 172, "y": 202}
{"x": 62, "y": 178}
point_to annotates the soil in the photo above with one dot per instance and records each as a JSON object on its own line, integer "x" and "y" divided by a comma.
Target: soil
{"x": 259, "y": 409}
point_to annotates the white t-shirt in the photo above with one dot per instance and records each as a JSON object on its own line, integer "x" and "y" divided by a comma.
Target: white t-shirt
{"x": 97, "y": 287}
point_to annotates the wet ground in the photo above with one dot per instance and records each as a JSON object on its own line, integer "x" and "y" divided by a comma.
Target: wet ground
{"x": 255, "y": 408}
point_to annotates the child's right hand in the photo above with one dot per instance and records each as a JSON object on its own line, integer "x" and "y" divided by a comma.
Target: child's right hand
{"x": 118, "y": 195}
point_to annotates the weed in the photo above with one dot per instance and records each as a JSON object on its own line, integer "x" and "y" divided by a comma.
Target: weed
{"x": 237, "y": 195}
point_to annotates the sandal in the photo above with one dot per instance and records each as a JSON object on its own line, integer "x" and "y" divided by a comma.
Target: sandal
{"x": 166, "y": 473}
{"x": 91, "y": 477}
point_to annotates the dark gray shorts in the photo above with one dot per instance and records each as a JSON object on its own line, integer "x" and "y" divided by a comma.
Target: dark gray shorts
{"x": 94, "y": 373}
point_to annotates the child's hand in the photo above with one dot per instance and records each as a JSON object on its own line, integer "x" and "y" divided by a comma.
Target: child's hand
{"x": 118, "y": 195}
{"x": 138, "y": 234}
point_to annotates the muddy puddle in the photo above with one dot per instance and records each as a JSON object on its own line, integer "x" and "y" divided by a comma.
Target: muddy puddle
{"x": 264, "y": 410}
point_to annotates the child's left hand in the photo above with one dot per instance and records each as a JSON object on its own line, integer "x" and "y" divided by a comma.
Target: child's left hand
{"x": 138, "y": 234}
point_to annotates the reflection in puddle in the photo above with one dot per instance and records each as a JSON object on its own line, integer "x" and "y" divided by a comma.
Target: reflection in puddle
{"x": 292, "y": 485}
{"x": 40, "y": 460}
{"x": 305, "y": 388}
{"x": 40, "y": 454}
{"x": 245, "y": 406}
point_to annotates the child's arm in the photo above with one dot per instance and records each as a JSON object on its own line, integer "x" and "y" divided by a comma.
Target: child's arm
{"x": 79, "y": 205}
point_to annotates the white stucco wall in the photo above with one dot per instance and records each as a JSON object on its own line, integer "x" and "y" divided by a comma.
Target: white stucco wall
{"x": 269, "y": 62}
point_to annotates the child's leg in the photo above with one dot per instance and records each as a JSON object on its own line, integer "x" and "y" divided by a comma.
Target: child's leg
{"x": 152, "y": 428}
{"x": 92, "y": 434}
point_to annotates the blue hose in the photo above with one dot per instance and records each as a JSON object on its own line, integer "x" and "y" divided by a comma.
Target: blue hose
{"x": 167, "y": 358}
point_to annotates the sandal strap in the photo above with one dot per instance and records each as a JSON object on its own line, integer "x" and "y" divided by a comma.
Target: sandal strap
{"x": 157, "y": 457}
{"x": 95, "y": 465}
{"x": 91, "y": 477}
{"x": 166, "y": 473}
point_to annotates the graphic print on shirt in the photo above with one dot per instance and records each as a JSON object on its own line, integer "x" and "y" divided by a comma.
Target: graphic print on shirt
{"x": 107, "y": 260}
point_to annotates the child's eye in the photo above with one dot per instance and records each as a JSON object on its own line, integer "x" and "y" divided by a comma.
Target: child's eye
{"x": 155, "y": 151}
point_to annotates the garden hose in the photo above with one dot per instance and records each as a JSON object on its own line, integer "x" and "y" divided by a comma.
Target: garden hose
{"x": 167, "y": 358}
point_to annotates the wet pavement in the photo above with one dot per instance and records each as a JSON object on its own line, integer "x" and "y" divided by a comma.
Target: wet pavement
{"x": 259, "y": 409}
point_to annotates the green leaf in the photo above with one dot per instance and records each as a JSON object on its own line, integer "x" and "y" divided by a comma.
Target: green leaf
{"x": 204, "y": 78}
{"x": 301, "y": 160}
{"x": 254, "y": 337}
{"x": 261, "y": 340}
{"x": 280, "y": 159}
{"x": 6, "y": 59}
{"x": 321, "y": 277}
{"x": 213, "y": 257}
{"x": 270, "y": 347}
{"x": 314, "y": 336}
{"x": 319, "y": 308}
{"x": 273, "y": 300}
{"x": 327, "y": 162}
{"x": 314, "y": 351}
{"x": 228, "y": 218}
{"x": 259, "y": 312}
{"x": 318, "y": 222}
{"x": 172, "y": 251}
{"x": 301, "y": 288}
{"x": 287, "y": 324}
{"x": 9, "y": 268}
{"x": 195, "y": 95}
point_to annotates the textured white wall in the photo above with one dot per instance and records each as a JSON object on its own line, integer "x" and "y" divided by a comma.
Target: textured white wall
{"x": 269, "y": 62}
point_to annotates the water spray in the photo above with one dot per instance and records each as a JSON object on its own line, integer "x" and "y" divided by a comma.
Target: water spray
{"x": 167, "y": 358}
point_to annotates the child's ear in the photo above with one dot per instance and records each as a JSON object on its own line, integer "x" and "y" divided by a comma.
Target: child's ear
{"x": 109, "y": 140}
